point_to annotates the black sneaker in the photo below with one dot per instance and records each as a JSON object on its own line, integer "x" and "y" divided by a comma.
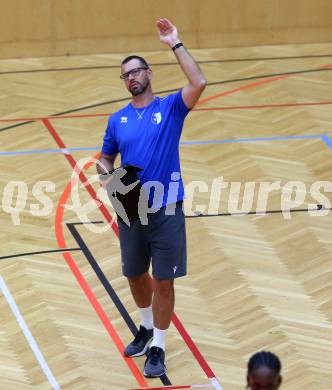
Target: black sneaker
{"x": 155, "y": 363}
{"x": 140, "y": 344}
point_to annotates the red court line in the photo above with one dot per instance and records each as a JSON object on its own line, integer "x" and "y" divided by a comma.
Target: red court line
{"x": 191, "y": 345}
{"x": 86, "y": 288}
{"x": 37, "y": 118}
{"x": 202, "y": 101}
{"x": 242, "y": 88}
{"x": 326, "y": 66}
{"x": 280, "y": 105}
{"x": 251, "y": 85}
{"x": 82, "y": 177}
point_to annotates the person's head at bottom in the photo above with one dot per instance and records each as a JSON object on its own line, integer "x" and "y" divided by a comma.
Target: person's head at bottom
{"x": 264, "y": 371}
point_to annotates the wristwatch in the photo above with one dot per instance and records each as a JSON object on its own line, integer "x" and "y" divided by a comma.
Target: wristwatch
{"x": 177, "y": 46}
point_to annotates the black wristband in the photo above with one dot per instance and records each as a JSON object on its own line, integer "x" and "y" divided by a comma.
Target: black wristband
{"x": 177, "y": 46}
{"x": 108, "y": 173}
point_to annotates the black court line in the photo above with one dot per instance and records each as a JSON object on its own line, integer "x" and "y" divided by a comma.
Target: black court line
{"x": 100, "y": 67}
{"x": 39, "y": 253}
{"x": 318, "y": 208}
{"x": 166, "y": 91}
{"x": 109, "y": 289}
{"x": 107, "y": 286}
{"x": 270, "y": 75}
{"x": 69, "y": 112}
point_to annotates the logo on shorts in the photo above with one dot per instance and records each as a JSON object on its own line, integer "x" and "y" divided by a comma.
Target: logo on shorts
{"x": 156, "y": 118}
{"x": 174, "y": 269}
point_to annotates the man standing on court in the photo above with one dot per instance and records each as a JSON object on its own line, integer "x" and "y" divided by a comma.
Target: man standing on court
{"x": 146, "y": 133}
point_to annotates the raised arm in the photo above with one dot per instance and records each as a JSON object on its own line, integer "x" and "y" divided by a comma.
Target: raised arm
{"x": 168, "y": 34}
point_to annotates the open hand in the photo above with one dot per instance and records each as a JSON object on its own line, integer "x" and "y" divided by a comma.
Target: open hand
{"x": 168, "y": 33}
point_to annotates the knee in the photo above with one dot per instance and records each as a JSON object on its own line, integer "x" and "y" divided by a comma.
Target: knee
{"x": 139, "y": 280}
{"x": 164, "y": 288}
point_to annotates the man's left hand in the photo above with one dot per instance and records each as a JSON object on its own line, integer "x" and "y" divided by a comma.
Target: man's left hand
{"x": 168, "y": 33}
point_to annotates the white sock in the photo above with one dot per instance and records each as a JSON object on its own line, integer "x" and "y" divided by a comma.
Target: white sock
{"x": 146, "y": 317}
{"x": 159, "y": 338}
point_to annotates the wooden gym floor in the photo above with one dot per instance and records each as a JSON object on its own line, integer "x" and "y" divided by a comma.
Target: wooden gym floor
{"x": 255, "y": 281}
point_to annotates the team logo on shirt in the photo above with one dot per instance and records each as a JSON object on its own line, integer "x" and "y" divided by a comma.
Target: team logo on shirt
{"x": 156, "y": 118}
{"x": 124, "y": 119}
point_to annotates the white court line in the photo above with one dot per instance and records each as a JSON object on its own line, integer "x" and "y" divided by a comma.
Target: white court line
{"x": 33, "y": 345}
{"x": 215, "y": 383}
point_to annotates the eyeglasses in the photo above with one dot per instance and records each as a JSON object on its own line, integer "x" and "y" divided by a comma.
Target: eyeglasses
{"x": 134, "y": 72}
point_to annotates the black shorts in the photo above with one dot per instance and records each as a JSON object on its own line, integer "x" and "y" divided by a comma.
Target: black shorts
{"x": 162, "y": 240}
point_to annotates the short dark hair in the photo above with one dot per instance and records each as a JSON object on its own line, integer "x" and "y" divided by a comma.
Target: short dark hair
{"x": 134, "y": 57}
{"x": 264, "y": 359}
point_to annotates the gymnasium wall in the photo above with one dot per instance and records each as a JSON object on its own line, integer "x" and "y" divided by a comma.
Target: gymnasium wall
{"x": 30, "y": 28}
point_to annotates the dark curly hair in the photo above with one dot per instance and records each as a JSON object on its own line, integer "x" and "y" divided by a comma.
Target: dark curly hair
{"x": 264, "y": 359}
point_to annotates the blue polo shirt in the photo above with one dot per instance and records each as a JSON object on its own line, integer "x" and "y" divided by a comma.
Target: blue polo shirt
{"x": 148, "y": 137}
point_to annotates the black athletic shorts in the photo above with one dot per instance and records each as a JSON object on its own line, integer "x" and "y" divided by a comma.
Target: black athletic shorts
{"x": 162, "y": 240}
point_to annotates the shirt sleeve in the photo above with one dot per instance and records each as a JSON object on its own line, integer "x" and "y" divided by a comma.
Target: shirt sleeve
{"x": 179, "y": 107}
{"x": 110, "y": 146}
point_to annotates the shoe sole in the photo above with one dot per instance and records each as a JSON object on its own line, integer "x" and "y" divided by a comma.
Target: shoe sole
{"x": 141, "y": 353}
{"x": 154, "y": 376}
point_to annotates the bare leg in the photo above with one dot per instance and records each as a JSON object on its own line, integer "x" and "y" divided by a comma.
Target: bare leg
{"x": 163, "y": 302}
{"x": 141, "y": 289}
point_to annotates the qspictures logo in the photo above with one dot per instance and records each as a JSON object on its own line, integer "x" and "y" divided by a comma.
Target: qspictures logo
{"x": 202, "y": 197}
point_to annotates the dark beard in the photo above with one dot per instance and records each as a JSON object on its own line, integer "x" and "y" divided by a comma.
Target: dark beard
{"x": 139, "y": 89}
